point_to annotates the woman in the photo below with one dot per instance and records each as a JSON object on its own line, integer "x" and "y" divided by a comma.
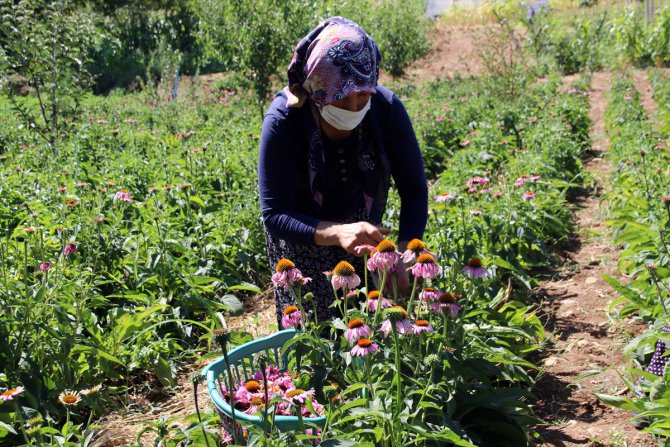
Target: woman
{"x": 331, "y": 141}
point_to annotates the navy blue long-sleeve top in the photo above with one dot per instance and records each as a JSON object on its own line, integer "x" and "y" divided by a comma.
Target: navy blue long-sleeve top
{"x": 287, "y": 201}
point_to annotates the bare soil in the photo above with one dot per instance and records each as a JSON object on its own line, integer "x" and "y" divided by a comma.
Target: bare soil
{"x": 576, "y": 300}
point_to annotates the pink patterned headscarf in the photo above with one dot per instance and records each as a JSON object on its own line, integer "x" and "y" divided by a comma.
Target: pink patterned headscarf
{"x": 335, "y": 60}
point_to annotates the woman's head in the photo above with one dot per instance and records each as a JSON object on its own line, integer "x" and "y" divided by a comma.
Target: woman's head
{"x": 336, "y": 60}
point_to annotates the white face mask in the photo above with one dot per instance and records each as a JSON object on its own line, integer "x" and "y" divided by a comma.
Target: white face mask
{"x": 343, "y": 119}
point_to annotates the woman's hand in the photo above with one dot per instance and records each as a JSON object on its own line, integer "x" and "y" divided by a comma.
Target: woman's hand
{"x": 349, "y": 236}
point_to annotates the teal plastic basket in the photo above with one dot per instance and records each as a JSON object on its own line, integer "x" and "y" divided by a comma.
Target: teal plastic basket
{"x": 243, "y": 364}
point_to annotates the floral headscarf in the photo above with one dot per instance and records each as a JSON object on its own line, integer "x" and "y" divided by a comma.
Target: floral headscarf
{"x": 335, "y": 60}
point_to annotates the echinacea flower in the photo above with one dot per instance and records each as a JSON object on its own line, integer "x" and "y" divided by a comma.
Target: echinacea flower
{"x": 252, "y": 386}
{"x": 93, "y": 390}
{"x": 444, "y": 197}
{"x": 70, "y": 248}
{"x": 297, "y": 396}
{"x": 344, "y": 277}
{"x": 287, "y": 275}
{"x": 364, "y": 347}
{"x": 429, "y": 294}
{"x": 69, "y": 398}
{"x": 124, "y": 196}
{"x": 11, "y": 393}
{"x": 415, "y": 248}
{"x": 292, "y": 317}
{"x": 425, "y": 267}
{"x": 384, "y": 257}
{"x": 397, "y": 315}
{"x": 447, "y": 303}
{"x": 422, "y": 326}
{"x": 45, "y": 266}
{"x": 363, "y": 249}
{"x": 357, "y": 329}
{"x": 475, "y": 269}
{"x": 373, "y": 301}
{"x": 475, "y": 213}
{"x": 522, "y": 180}
{"x": 528, "y": 195}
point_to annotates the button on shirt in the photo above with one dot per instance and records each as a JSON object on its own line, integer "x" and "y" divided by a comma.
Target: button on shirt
{"x": 342, "y": 187}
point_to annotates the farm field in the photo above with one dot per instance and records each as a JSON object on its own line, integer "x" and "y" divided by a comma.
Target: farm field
{"x": 132, "y": 240}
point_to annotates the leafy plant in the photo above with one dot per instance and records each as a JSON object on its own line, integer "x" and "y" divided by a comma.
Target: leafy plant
{"x": 46, "y": 42}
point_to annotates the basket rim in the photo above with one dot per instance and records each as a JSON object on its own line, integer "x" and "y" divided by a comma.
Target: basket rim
{"x": 209, "y": 374}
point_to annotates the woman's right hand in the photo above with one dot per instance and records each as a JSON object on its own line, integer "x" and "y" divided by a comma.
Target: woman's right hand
{"x": 349, "y": 236}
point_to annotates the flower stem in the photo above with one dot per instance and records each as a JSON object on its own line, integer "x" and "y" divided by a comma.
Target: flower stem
{"x": 397, "y": 369}
{"x": 411, "y": 297}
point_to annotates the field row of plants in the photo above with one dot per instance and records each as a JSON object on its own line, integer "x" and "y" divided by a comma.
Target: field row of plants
{"x": 502, "y": 171}
{"x": 639, "y": 216}
{"x": 118, "y": 252}
{"x": 601, "y": 39}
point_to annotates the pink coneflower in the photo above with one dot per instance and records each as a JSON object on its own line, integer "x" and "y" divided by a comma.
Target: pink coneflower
{"x": 62, "y": 188}
{"x": 363, "y": 249}
{"x": 287, "y": 275}
{"x": 292, "y": 317}
{"x": 297, "y": 396}
{"x": 528, "y": 195}
{"x": 81, "y": 184}
{"x": 476, "y": 180}
{"x": 429, "y": 294}
{"x": 384, "y": 256}
{"x": 70, "y": 248}
{"x": 497, "y": 194}
{"x": 475, "y": 213}
{"x": 373, "y": 301}
{"x": 447, "y": 303}
{"x": 422, "y": 326}
{"x": 415, "y": 248}
{"x": 522, "y": 180}
{"x": 45, "y": 266}
{"x": 465, "y": 143}
{"x": 402, "y": 324}
{"x": 344, "y": 277}
{"x": 532, "y": 120}
{"x": 29, "y": 229}
{"x": 98, "y": 219}
{"x": 535, "y": 177}
{"x": 444, "y": 197}
{"x": 475, "y": 269}
{"x": 108, "y": 183}
{"x": 472, "y": 190}
{"x": 357, "y": 329}
{"x": 364, "y": 347}
{"x": 124, "y": 196}
{"x": 425, "y": 267}
{"x": 11, "y": 393}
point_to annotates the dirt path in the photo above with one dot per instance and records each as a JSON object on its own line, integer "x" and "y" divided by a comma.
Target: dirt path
{"x": 585, "y": 339}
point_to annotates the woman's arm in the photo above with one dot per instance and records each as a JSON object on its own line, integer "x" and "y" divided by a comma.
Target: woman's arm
{"x": 278, "y": 179}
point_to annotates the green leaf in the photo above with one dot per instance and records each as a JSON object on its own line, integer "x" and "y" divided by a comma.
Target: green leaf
{"x": 235, "y": 306}
{"x": 619, "y": 402}
{"x": 90, "y": 350}
{"x": 164, "y": 371}
{"x": 5, "y": 429}
{"x": 246, "y": 287}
